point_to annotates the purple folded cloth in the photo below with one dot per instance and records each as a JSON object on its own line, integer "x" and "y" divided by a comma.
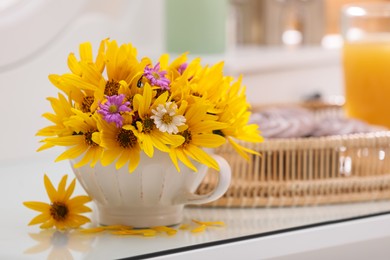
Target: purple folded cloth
{"x": 294, "y": 122}
{"x": 342, "y": 126}
{"x": 284, "y": 122}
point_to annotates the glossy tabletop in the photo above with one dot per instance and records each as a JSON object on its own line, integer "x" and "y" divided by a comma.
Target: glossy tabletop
{"x": 23, "y": 181}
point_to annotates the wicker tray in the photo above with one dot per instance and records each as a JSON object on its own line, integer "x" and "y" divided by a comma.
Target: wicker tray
{"x": 308, "y": 171}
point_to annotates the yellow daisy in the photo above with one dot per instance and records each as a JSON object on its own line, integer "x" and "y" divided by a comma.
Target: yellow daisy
{"x": 119, "y": 144}
{"x": 86, "y": 80}
{"x": 147, "y": 132}
{"x": 234, "y": 111}
{"x": 198, "y": 133}
{"x": 63, "y": 212}
{"x": 87, "y": 86}
{"x": 80, "y": 142}
{"x": 62, "y": 111}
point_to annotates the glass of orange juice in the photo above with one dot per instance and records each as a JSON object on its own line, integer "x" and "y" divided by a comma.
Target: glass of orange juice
{"x": 365, "y": 29}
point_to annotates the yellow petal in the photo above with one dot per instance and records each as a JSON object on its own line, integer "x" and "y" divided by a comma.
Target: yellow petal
{"x": 69, "y": 190}
{"x": 48, "y": 224}
{"x": 79, "y": 220}
{"x": 134, "y": 159}
{"x": 183, "y": 158}
{"x": 198, "y": 229}
{"x": 209, "y": 223}
{"x": 44, "y": 147}
{"x": 40, "y": 219}
{"x": 123, "y": 159}
{"x": 184, "y": 227}
{"x": 92, "y": 230}
{"x": 78, "y": 200}
{"x": 81, "y": 209}
{"x": 147, "y": 145}
{"x": 37, "y": 206}
{"x": 51, "y": 191}
{"x": 71, "y": 153}
{"x": 117, "y": 227}
{"x": 77, "y": 82}
{"x": 89, "y": 155}
{"x": 208, "y": 140}
{"x": 142, "y": 232}
{"x": 86, "y": 51}
{"x": 201, "y": 156}
{"x": 73, "y": 64}
{"x": 168, "y": 230}
{"x": 67, "y": 140}
{"x": 109, "y": 156}
{"x": 173, "y": 156}
{"x": 61, "y": 187}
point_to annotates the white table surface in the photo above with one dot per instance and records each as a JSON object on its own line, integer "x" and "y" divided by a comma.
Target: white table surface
{"x": 253, "y": 233}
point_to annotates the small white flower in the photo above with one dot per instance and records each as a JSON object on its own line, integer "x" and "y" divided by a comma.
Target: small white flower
{"x": 166, "y": 119}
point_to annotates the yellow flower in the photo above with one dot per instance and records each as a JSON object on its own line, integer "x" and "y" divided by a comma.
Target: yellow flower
{"x": 118, "y": 143}
{"x": 85, "y": 84}
{"x": 63, "y": 212}
{"x": 147, "y": 132}
{"x": 62, "y": 110}
{"x": 80, "y": 142}
{"x": 234, "y": 111}
{"x": 198, "y": 133}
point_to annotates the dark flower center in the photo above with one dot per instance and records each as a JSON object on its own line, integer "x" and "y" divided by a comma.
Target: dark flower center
{"x": 187, "y": 136}
{"x": 86, "y": 104}
{"x": 148, "y": 125}
{"x": 88, "y": 138}
{"x": 59, "y": 211}
{"x": 111, "y": 88}
{"x": 126, "y": 138}
{"x": 218, "y": 132}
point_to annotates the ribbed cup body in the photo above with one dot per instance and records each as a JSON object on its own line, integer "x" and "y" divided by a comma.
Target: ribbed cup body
{"x": 153, "y": 195}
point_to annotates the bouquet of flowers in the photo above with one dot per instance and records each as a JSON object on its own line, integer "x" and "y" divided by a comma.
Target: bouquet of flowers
{"x": 114, "y": 107}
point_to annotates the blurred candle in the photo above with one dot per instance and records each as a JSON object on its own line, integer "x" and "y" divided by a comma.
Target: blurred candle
{"x": 197, "y": 26}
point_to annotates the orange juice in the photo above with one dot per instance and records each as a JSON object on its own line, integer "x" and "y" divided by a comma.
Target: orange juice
{"x": 367, "y": 81}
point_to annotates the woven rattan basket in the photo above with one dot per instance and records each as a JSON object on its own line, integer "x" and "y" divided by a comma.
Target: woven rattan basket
{"x": 308, "y": 171}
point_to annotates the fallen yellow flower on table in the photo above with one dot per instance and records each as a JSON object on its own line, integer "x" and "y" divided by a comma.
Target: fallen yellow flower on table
{"x": 209, "y": 223}
{"x": 168, "y": 230}
{"x": 142, "y": 232}
{"x": 203, "y": 225}
{"x": 104, "y": 228}
{"x": 200, "y": 226}
{"x": 198, "y": 229}
{"x": 63, "y": 212}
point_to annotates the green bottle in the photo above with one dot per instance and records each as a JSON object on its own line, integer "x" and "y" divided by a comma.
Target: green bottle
{"x": 196, "y": 26}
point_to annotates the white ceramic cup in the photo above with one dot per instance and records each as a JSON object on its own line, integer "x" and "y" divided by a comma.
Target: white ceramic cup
{"x": 153, "y": 195}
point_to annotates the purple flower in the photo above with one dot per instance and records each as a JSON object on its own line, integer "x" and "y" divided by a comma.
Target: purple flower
{"x": 113, "y": 107}
{"x": 182, "y": 67}
{"x": 156, "y": 77}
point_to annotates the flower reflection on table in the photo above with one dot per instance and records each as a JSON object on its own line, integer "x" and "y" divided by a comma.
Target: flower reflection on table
{"x": 60, "y": 244}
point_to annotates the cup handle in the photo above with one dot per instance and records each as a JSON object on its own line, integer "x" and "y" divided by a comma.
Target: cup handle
{"x": 224, "y": 179}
